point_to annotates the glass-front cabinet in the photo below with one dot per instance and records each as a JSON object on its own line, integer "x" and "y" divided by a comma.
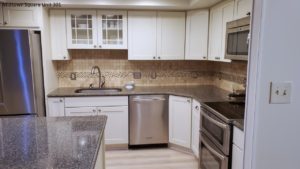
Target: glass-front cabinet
{"x": 112, "y": 29}
{"x": 91, "y": 29}
{"x": 81, "y": 29}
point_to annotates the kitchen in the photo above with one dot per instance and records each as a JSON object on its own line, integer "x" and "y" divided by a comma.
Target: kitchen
{"x": 129, "y": 84}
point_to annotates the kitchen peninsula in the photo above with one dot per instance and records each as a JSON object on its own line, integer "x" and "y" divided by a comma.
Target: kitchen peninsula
{"x": 47, "y": 142}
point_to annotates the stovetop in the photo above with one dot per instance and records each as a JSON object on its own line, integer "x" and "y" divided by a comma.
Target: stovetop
{"x": 227, "y": 111}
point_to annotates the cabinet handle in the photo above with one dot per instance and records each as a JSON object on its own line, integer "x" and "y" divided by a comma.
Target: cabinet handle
{"x": 154, "y": 57}
{"x": 218, "y": 58}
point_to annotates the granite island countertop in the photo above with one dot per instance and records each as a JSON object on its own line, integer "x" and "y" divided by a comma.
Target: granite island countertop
{"x": 202, "y": 93}
{"x": 48, "y": 142}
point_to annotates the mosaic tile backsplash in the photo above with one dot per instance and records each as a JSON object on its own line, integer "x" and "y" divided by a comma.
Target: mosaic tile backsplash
{"x": 117, "y": 71}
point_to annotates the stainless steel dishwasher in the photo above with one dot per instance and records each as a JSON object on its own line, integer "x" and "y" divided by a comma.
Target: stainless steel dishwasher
{"x": 148, "y": 119}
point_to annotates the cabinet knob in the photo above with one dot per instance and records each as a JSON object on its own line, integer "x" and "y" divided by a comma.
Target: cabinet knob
{"x": 4, "y": 23}
{"x": 204, "y": 57}
{"x": 95, "y": 46}
{"x": 100, "y": 46}
{"x": 197, "y": 107}
{"x": 94, "y": 111}
{"x": 158, "y": 57}
{"x": 154, "y": 57}
{"x": 218, "y": 58}
{"x": 65, "y": 57}
{"x": 99, "y": 110}
{"x": 189, "y": 101}
{"x": 61, "y": 100}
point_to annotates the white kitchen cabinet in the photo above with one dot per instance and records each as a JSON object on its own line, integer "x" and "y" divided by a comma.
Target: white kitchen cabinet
{"x": 196, "y": 35}
{"x": 219, "y": 16}
{"x": 195, "y": 127}
{"x": 242, "y": 8}
{"x": 112, "y": 29}
{"x": 170, "y": 35}
{"x": 180, "y": 121}
{"x": 56, "y": 107}
{"x": 81, "y": 111}
{"x": 156, "y": 35}
{"x": 116, "y": 130}
{"x": 58, "y": 35}
{"x": 81, "y": 29}
{"x": 141, "y": 35}
{"x": 237, "y": 149}
{"x": 22, "y": 17}
{"x": 1, "y": 15}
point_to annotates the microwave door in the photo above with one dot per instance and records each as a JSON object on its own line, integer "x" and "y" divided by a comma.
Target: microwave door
{"x": 242, "y": 43}
{"x": 232, "y": 40}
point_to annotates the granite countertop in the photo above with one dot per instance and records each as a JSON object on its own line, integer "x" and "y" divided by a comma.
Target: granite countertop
{"x": 48, "y": 142}
{"x": 202, "y": 93}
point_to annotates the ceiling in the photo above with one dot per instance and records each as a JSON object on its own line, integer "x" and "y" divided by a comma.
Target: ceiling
{"x": 130, "y": 4}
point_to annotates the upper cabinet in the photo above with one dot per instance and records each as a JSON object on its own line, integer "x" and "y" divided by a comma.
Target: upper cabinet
{"x": 58, "y": 35}
{"x": 170, "y": 35}
{"x": 242, "y": 8}
{"x": 141, "y": 35}
{"x": 196, "y": 35}
{"x": 20, "y": 17}
{"x": 81, "y": 29}
{"x": 219, "y": 16}
{"x": 156, "y": 35}
{"x": 112, "y": 29}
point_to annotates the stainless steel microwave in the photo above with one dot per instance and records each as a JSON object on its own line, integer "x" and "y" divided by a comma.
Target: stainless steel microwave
{"x": 237, "y": 39}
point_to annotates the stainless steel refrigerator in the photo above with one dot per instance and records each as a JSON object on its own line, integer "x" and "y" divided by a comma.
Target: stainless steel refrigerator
{"x": 21, "y": 73}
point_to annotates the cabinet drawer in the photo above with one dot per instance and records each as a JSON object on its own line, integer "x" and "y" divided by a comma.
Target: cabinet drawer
{"x": 96, "y": 101}
{"x": 238, "y": 138}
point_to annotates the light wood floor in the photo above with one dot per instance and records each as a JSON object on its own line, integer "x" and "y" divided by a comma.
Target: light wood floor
{"x": 149, "y": 159}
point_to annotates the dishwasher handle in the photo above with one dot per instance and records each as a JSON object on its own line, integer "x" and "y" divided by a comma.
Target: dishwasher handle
{"x": 148, "y": 99}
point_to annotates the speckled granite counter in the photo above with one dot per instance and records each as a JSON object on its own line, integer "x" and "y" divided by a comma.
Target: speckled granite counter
{"x": 54, "y": 143}
{"x": 239, "y": 123}
{"x": 202, "y": 93}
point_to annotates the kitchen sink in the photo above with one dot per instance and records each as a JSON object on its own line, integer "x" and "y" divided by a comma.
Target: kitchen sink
{"x": 98, "y": 90}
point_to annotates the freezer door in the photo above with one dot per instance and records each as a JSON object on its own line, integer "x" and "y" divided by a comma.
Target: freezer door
{"x": 16, "y": 76}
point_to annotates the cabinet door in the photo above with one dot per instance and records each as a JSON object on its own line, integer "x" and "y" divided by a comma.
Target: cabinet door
{"x": 116, "y": 130}
{"x": 58, "y": 34}
{"x": 237, "y": 157}
{"x": 195, "y": 127}
{"x": 56, "y": 107}
{"x": 141, "y": 35}
{"x": 22, "y": 17}
{"x": 1, "y": 15}
{"x": 81, "y": 111}
{"x": 219, "y": 16}
{"x": 81, "y": 29}
{"x": 180, "y": 121}
{"x": 196, "y": 35}
{"x": 227, "y": 16}
{"x": 170, "y": 35}
{"x": 112, "y": 29}
{"x": 242, "y": 8}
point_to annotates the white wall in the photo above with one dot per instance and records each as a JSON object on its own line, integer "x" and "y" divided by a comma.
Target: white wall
{"x": 275, "y": 143}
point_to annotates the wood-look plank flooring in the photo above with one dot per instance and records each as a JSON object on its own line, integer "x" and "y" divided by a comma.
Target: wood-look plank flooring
{"x": 149, "y": 159}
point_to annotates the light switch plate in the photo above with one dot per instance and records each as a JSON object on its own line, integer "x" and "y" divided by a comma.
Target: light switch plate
{"x": 281, "y": 93}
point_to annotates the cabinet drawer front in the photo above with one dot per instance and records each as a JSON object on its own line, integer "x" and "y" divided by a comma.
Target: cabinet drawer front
{"x": 96, "y": 101}
{"x": 238, "y": 138}
{"x": 81, "y": 111}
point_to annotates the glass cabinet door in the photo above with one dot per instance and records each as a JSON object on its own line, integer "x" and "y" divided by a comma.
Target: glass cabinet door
{"x": 81, "y": 29}
{"x": 112, "y": 29}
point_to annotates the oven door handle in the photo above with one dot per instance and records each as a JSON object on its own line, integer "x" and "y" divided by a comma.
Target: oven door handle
{"x": 220, "y": 156}
{"x": 222, "y": 125}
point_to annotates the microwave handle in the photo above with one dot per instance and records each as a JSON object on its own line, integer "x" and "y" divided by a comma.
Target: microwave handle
{"x": 220, "y": 156}
{"x": 222, "y": 125}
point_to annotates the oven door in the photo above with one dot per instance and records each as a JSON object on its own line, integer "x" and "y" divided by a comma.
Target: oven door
{"x": 216, "y": 130}
{"x": 237, "y": 43}
{"x": 210, "y": 156}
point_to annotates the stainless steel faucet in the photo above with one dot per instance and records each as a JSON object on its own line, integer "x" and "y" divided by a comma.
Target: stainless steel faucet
{"x": 93, "y": 71}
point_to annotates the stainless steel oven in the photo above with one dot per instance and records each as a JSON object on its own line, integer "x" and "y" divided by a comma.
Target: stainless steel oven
{"x": 215, "y": 144}
{"x": 210, "y": 156}
{"x": 237, "y": 39}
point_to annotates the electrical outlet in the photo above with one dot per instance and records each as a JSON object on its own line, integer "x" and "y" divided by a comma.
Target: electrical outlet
{"x": 73, "y": 76}
{"x": 281, "y": 93}
{"x": 137, "y": 75}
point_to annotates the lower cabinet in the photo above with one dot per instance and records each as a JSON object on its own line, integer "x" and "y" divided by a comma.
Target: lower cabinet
{"x": 238, "y": 149}
{"x": 195, "y": 127}
{"x": 115, "y": 108}
{"x": 180, "y": 121}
